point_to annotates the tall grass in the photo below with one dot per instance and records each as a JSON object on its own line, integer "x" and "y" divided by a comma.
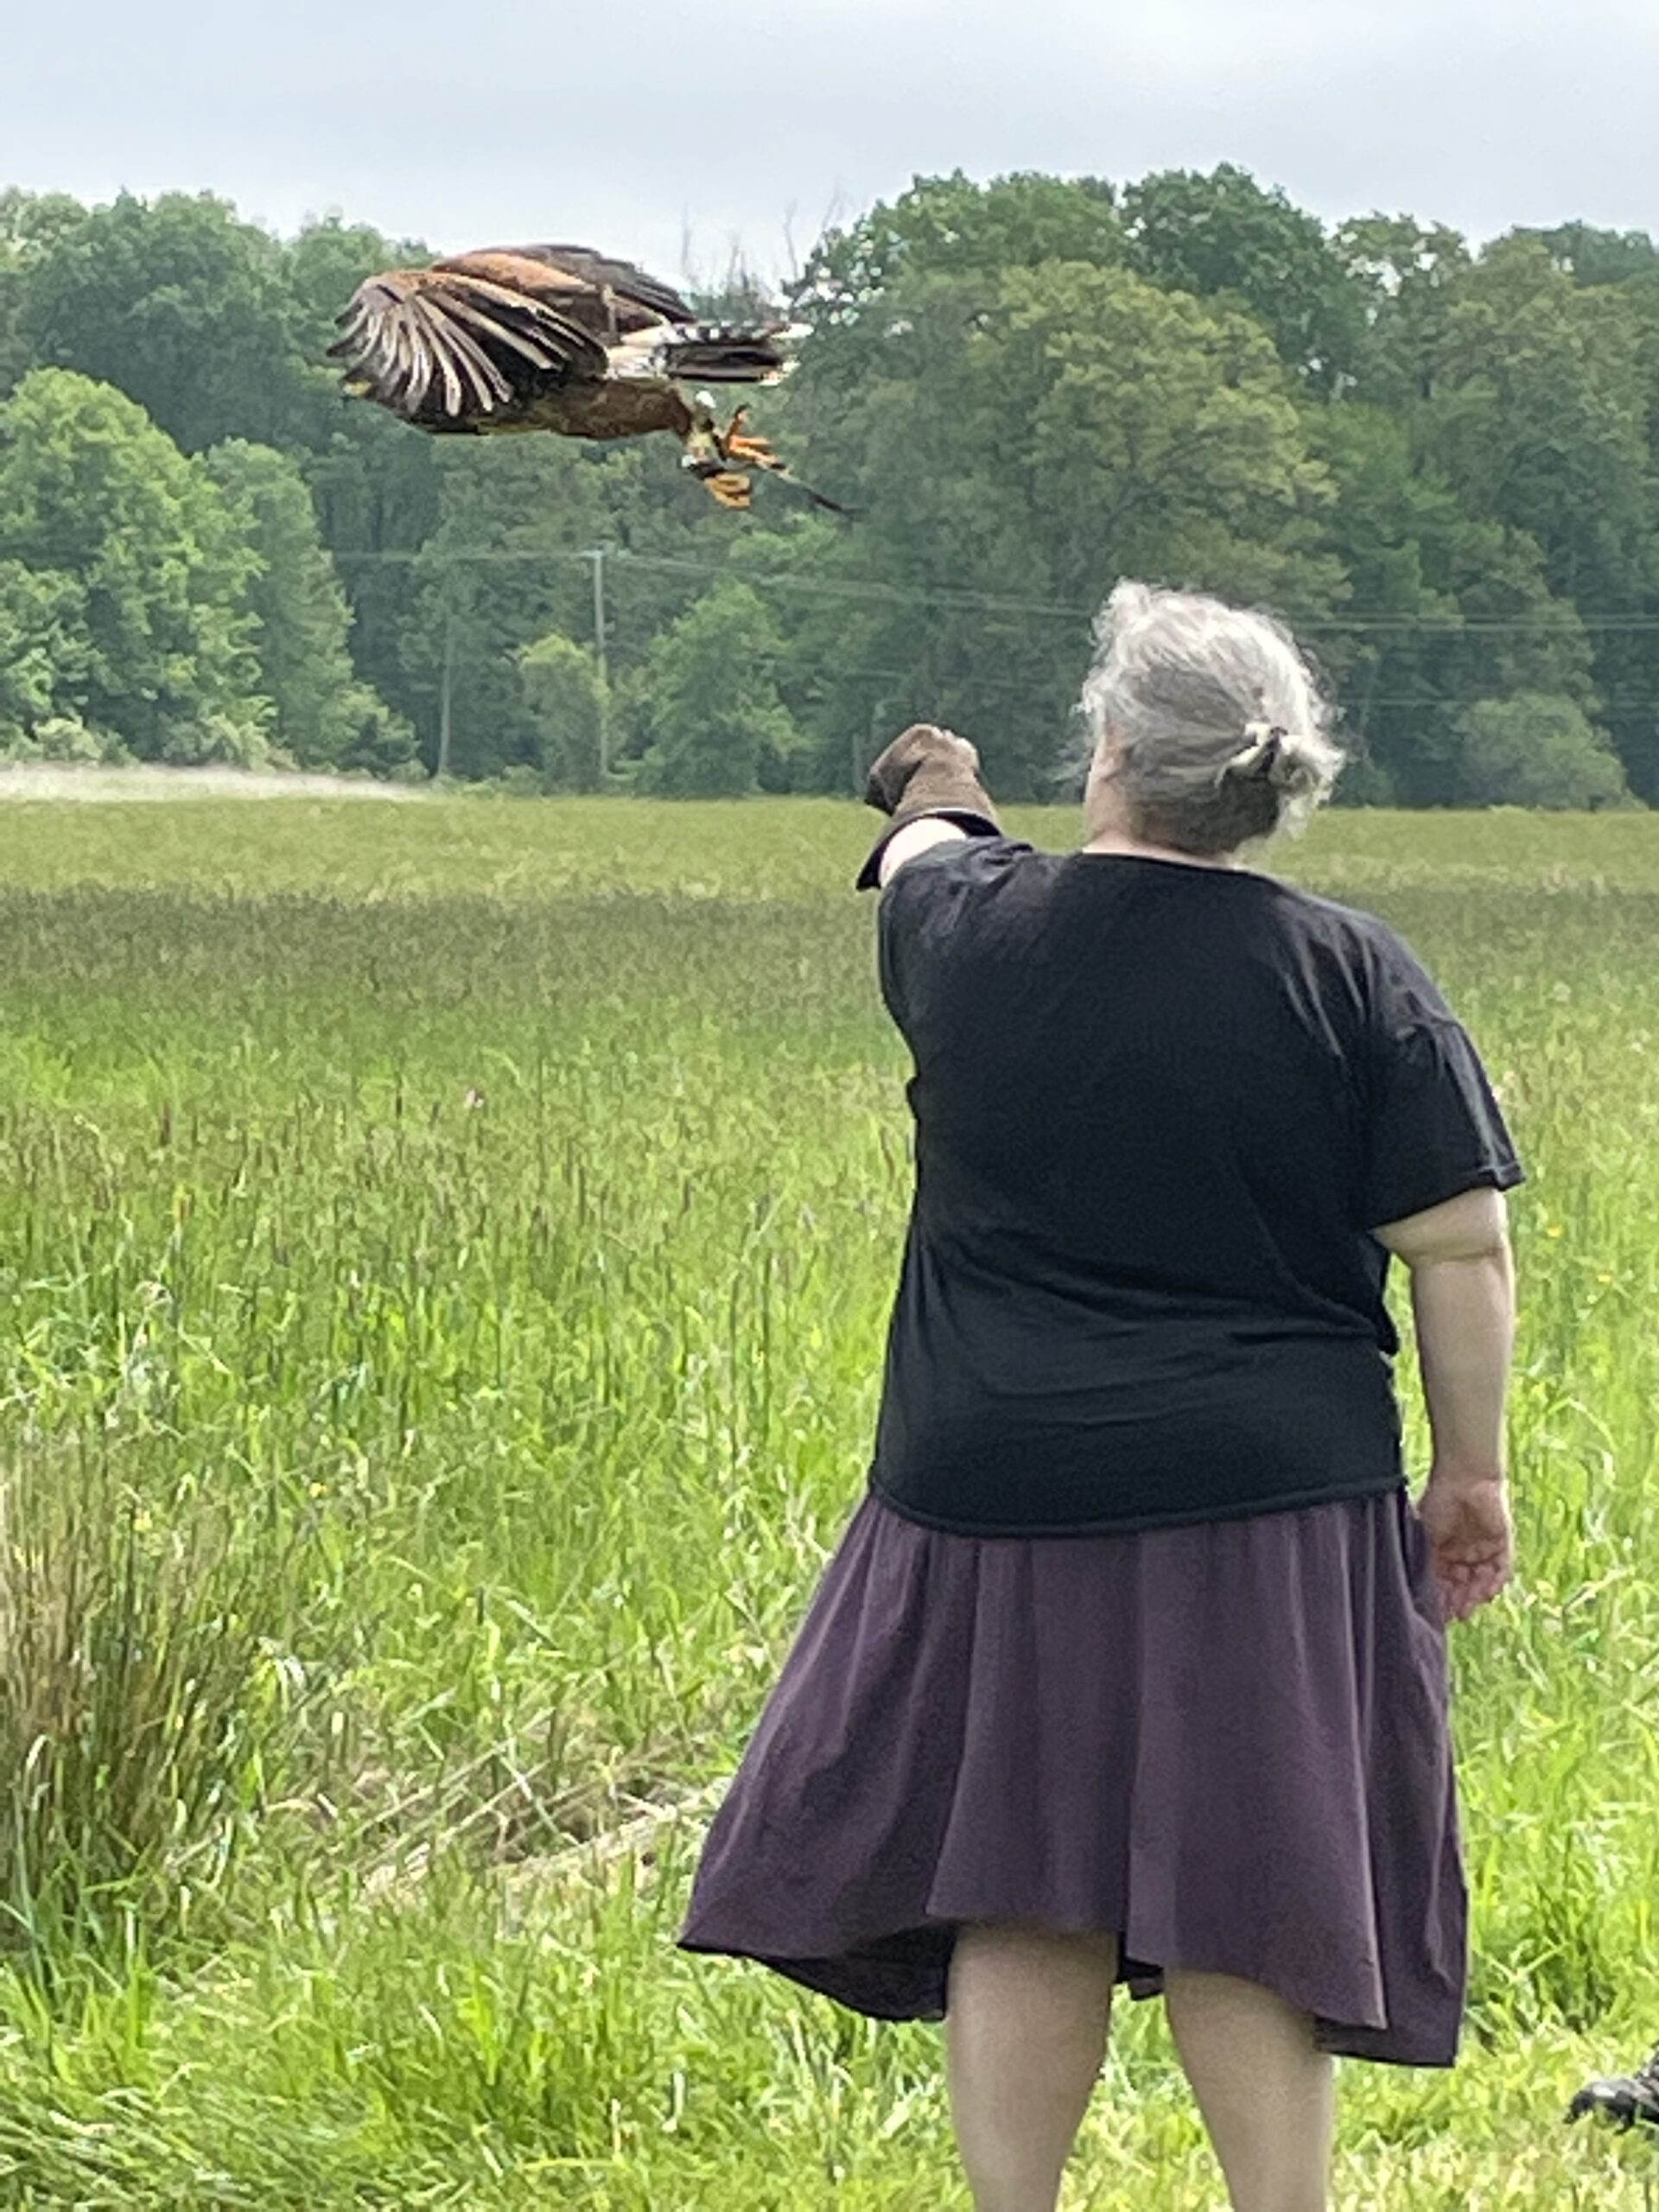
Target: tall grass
{"x": 443, "y": 1259}
{"x": 144, "y": 1710}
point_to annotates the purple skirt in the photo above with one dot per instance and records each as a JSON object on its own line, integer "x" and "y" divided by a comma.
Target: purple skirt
{"x": 1227, "y": 1744}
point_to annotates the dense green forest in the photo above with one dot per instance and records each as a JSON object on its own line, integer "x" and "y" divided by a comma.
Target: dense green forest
{"x": 1438, "y": 461}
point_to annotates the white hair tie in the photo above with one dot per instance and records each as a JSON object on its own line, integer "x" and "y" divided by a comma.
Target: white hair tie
{"x": 1259, "y": 754}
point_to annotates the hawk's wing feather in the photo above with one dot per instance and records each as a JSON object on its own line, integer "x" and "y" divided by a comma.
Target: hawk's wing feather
{"x": 412, "y": 329}
{"x": 471, "y": 378}
{"x": 599, "y": 272}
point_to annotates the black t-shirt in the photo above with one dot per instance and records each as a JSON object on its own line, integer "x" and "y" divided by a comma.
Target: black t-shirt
{"x": 1160, "y": 1108}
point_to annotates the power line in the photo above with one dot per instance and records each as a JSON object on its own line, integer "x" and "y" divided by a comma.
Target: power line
{"x": 874, "y": 591}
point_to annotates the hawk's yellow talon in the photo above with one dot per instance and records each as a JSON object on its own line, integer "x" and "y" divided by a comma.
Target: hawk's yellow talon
{"x": 753, "y": 452}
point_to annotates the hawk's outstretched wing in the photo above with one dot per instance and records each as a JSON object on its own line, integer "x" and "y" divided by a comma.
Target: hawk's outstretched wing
{"x": 456, "y": 341}
{"x": 601, "y": 274}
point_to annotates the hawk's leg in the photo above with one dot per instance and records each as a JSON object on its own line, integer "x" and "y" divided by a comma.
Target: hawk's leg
{"x": 743, "y": 451}
{"x": 737, "y": 453}
{"x": 706, "y": 459}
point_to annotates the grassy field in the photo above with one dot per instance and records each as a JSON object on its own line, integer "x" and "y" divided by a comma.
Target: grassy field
{"x": 444, "y": 1251}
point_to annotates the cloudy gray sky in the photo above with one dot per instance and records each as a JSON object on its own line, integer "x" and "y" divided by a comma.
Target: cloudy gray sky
{"x": 632, "y": 124}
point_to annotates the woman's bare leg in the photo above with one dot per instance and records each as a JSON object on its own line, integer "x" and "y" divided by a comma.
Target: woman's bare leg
{"x": 1266, "y": 2095}
{"x": 1025, "y": 2035}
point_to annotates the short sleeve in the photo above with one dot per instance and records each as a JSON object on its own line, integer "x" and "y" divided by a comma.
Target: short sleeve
{"x": 925, "y": 911}
{"x": 1434, "y": 1127}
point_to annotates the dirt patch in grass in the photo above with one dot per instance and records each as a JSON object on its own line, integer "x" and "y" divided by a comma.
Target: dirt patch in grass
{"x": 49, "y": 781}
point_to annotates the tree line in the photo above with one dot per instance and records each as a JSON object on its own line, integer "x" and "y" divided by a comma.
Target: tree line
{"x": 1439, "y": 461}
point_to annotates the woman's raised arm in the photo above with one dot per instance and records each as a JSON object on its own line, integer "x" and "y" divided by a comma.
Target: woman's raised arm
{"x": 916, "y": 837}
{"x": 928, "y": 781}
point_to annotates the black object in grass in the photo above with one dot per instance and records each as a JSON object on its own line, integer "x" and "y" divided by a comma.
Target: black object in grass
{"x": 1625, "y": 2098}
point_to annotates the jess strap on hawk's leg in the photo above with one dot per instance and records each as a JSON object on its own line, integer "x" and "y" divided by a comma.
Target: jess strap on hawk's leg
{"x": 926, "y": 770}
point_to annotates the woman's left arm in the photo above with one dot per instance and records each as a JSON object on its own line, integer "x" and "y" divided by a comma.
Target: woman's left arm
{"x": 1462, "y": 1296}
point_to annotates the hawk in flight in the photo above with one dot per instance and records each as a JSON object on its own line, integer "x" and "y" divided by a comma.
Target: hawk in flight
{"x": 557, "y": 338}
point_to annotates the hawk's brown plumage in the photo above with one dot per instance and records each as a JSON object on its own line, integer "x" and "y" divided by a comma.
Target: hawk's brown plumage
{"x": 557, "y": 338}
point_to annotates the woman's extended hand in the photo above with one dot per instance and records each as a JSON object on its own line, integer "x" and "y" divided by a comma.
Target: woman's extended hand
{"x": 1470, "y": 1538}
{"x": 926, "y": 770}
{"x": 922, "y": 761}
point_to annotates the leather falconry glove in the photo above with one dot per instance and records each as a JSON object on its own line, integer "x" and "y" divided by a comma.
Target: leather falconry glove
{"x": 926, "y": 770}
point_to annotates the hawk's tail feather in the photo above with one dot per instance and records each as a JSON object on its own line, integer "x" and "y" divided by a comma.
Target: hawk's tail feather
{"x": 714, "y": 352}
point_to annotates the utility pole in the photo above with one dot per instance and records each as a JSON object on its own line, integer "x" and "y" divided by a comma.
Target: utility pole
{"x": 447, "y": 683}
{"x": 862, "y": 767}
{"x": 595, "y": 553}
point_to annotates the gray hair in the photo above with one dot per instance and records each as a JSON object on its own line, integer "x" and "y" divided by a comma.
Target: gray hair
{"x": 1216, "y": 721}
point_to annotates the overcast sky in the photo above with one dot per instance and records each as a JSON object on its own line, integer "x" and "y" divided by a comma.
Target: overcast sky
{"x": 631, "y": 124}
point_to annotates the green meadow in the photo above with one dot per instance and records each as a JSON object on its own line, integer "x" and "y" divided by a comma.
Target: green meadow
{"x": 444, "y": 1253}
